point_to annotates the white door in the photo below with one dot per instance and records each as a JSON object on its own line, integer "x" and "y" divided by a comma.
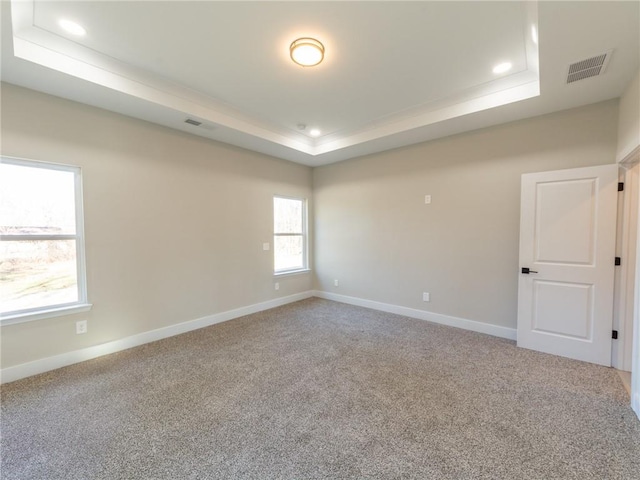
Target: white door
{"x": 567, "y": 241}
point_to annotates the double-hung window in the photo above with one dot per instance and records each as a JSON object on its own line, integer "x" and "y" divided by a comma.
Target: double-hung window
{"x": 289, "y": 234}
{"x": 42, "y": 270}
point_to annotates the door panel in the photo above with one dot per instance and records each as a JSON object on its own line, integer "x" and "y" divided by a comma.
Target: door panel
{"x": 567, "y": 240}
{"x": 567, "y": 234}
{"x": 564, "y": 309}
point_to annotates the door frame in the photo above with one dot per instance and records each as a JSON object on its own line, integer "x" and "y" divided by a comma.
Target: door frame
{"x": 625, "y": 277}
{"x": 632, "y": 298}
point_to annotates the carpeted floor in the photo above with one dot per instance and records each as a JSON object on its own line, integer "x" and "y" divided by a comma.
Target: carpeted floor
{"x": 319, "y": 389}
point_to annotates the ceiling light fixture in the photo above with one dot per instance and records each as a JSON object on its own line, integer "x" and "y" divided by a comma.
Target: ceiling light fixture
{"x": 307, "y": 52}
{"x": 502, "y": 67}
{"x": 72, "y": 27}
{"x": 314, "y": 132}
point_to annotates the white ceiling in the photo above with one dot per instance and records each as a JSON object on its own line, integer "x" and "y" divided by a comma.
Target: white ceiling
{"x": 394, "y": 73}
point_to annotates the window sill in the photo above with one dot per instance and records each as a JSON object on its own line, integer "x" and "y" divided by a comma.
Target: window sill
{"x": 46, "y": 313}
{"x": 292, "y": 272}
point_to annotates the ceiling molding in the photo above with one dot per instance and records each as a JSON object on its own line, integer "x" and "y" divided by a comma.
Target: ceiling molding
{"x": 55, "y": 52}
{"x": 365, "y": 100}
{"x": 52, "y": 51}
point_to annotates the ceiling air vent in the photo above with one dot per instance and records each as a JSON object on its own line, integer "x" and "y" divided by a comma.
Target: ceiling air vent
{"x": 193, "y": 122}
{"x": 590, "y": 67}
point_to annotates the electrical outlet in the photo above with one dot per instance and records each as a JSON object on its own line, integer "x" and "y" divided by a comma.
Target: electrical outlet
{"x": 81, "y": 327}
{"x": 265, "y": 246}
{"x": 277, "y": 286}
{"x": 426, "y": 297}
{"x": 335, "y": 282}
{"x": 427, "y": 199}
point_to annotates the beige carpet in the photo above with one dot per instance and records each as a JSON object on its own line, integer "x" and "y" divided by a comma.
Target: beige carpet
{"x": 319, "y": 389}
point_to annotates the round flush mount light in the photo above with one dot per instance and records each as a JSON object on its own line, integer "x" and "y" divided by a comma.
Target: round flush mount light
{"x": 502, "y": 67}
{"x": 307, "y": 52}
{"x": 72, "y": 27}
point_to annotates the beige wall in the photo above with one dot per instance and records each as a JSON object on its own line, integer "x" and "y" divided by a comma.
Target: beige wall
{"x": 174, "y": 223}
{"x": 374, "y": 233}
{"x": 629, "y": 119}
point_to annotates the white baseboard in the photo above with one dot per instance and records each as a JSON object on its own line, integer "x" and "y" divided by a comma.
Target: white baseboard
{"x": 24, "y": 370}
{"x": 495, "y": 330}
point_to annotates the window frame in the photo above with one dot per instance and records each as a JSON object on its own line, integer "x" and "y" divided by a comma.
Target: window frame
{"x": 82, "y": 304}
{"x": 304, "y": 234}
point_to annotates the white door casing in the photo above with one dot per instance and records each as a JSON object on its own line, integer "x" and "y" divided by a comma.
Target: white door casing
{"x": 625, "y": 274}
{"x": 567, "y": 240}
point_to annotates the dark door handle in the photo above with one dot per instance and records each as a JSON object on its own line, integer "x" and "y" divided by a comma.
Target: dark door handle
{"x": 527, "y": 270}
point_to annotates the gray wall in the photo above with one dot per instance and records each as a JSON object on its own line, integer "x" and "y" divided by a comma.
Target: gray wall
{"x": 629, "y": 120}
{"x": 374, "y": 233}
{"x": 174, "y": 223}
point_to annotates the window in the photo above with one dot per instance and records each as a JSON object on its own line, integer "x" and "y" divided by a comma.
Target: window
{"x": 289, "y": 234}
{"x": 41, "y": 240}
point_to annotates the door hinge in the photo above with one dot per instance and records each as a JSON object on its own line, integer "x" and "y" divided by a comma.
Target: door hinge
{"x": 618, "y": 262}
{"x": 620, "y": 186}
{"x": 614, "y": 334}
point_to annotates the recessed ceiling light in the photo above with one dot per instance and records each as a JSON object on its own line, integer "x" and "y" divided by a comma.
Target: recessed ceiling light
{"x": 72, "y": 27}
{"x": 314, "y": 132}
{"x": 307, "y": 52}
{"x": 502, "y": 67}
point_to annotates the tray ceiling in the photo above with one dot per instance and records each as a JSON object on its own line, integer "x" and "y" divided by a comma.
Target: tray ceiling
{"x": 394, "y": 72}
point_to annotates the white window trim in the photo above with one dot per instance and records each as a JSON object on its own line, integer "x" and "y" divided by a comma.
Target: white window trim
{"x": 48, "y": 311}
{"x": 298, "y": 271}
{"x": 305, "y": 239}
{"x": 44, "y": 312}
